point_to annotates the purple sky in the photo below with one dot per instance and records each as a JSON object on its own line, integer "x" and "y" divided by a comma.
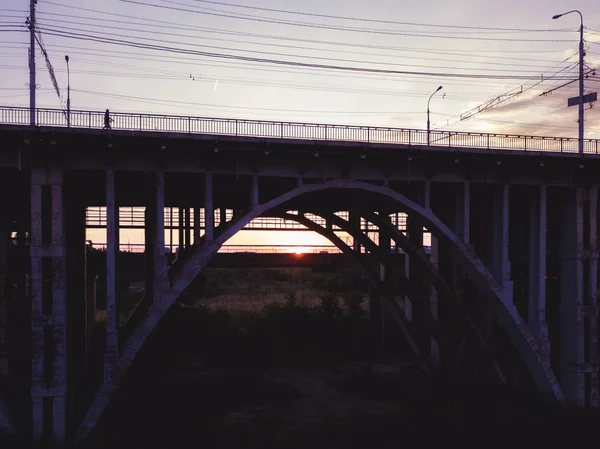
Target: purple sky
{"x": 431, "y": 36}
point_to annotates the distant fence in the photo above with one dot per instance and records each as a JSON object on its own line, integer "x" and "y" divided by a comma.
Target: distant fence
{"x": 263, "y": 249}
{"x": 292, "y": 130}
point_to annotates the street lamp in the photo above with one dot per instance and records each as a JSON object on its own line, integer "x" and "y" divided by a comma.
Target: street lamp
{"x": 581, "y": 55}
{"x": 68, "y": 92}
{"x": 428, "y": 123}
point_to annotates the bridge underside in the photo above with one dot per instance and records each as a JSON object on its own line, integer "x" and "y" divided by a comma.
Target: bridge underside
{"x": 512, "y": 268}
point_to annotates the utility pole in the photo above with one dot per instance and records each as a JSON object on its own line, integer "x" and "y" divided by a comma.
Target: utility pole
{"x": 32, "y": 83}
{"x": 581, "y": 99}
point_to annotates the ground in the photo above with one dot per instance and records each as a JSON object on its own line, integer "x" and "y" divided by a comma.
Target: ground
{"x": 299, "y": 368}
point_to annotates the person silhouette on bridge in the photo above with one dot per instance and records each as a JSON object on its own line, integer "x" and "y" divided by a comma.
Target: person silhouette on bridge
{"x": 107, "y": 120}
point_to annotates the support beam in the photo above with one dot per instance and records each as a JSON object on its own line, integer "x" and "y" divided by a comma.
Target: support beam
{"x": 196, "y": 225}
{"x": 537, "y": 269}
{"x": 592, "y": 302}
{"x": 433, "y": 294}
{"x": 354, "y": 220}
{"x": 377, "y": 300}
{"x": 209, "y": 209}
{"x": 462, "y": 224}
{"x": 500, "y": 265}
{"x": 572, "y": 355}
{"x": 181, "y": 228}
{"x": 112, "y": 250}
{"x": 254, "y": 193}
{"x": 161, "y": 279}
{"x": 4, "y": 243}
{"x": 49, "y": 306}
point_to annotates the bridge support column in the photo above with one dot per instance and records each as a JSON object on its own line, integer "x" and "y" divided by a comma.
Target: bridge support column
{"x": 499, "y": 264}
{"x": 209, "y": 209}
{"x": 572, "y": 355}
{"x": 196, "y": 225}
{"x": 5, "y": 423}
{"x": 537, "y": 269}
{"x": 188, "y": 227}
{"x": 376, "y": 301}
{"x": 181, "y": 229}
{"x": 355, "y": 221}
{"x": 4, "y": 242}
{"x": 462, "y": 222}
{"x": 112, "y": 250}
{"x": 48, "y": 305}
{"x": 160, "y": 275}
{"x": 414, "y": 229}
{"x": 578, "y": 308}
{"x": 254, "y": 194}
{"x": 433, "y": 294}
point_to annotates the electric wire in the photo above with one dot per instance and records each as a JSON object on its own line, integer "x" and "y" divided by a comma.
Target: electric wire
{"x": 336, "y": 28}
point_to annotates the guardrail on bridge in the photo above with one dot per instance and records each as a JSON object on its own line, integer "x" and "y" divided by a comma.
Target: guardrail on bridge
{"x": 293, "y": 130}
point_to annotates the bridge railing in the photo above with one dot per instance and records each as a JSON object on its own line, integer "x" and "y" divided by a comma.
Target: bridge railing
{"x": 291, "y": 130}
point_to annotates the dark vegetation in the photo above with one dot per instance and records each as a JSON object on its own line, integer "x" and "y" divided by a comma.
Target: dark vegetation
{"x": 301, "y": 368}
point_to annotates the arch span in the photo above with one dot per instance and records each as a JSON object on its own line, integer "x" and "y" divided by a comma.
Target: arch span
{"x": 507, "y": 313}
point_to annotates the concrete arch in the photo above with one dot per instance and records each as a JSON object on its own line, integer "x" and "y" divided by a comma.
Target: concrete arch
{"x": 507, "y": 313}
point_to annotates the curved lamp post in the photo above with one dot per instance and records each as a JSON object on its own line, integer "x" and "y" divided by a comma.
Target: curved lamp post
{"x": 68, "y": 93}
{"x": 428, "y": 123}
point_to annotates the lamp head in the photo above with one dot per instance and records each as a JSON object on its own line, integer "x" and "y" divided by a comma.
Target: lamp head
{"x": 439, "y": 88}
{"x": 557, "y": 16}
{"x": 67, "y": 58}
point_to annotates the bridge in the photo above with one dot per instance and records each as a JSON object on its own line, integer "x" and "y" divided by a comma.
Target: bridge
{"x": 506, "y": 291}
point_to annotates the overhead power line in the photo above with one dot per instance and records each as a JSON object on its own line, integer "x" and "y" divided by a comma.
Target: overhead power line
{"x": 153, "y": 31}
{"x": 89, "y": 37}
{"x": 362, "y": 19}
{"x": 253, "y": 51}
{"x": 487, "y": 51}
{"x": 335, "y": 28}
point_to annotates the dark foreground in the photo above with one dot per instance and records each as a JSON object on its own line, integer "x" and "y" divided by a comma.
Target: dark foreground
{"x": 207, "y": 380}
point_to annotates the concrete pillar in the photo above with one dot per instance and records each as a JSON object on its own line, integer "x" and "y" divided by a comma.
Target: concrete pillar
{"x": 376, "y": 305}
{"x": 4, "y": 242}
{"x": 433, "y": 294}
{"x": 196, "y": 225}
{"x": 188, "y": 227}
{"x": 48, "y": 301}
{"x": 414, "y": 231}
{"x": 209, "y": 209}
{"x": 537, "y": 269}
{"x": 150, "y": 242}
{"x": 355, "y": 221}
{"x": 572, "y": 356}
{"x": 462, "y": 222}
{"x": 161, "y": 278}
{"x": 112, "y": 250}
{"x": 254, "y": 198}
{"x": 181, "y": 228}
{"x": 592, "y": 301}
{"x": 500, "y": 264}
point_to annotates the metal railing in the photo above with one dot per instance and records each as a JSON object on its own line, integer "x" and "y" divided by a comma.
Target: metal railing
{"x": 230, "y": 249}
{"x": 291, "y": 130}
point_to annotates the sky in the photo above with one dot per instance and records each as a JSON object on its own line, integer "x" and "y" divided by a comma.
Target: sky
{"x": 476, "y": 50}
